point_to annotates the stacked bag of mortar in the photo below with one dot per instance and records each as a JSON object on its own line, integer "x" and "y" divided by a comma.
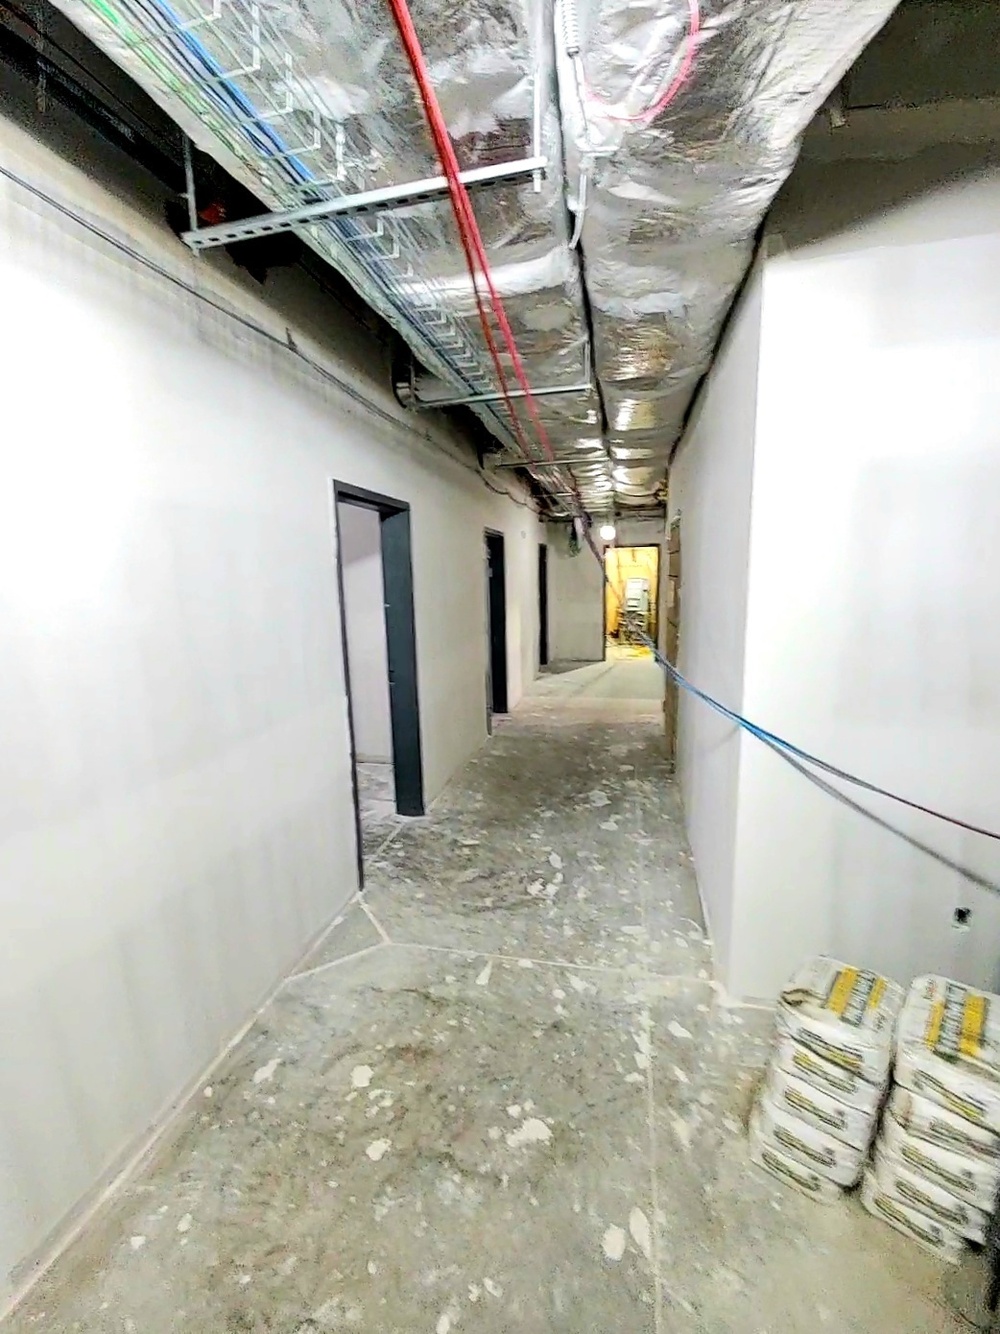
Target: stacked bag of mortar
{"x": 815, "y": 1120}
{"x": 937, "y": 1161}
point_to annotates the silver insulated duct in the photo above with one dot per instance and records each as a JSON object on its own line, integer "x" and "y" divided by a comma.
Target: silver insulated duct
{"x": 682, "y": 120}
{"x": 622, "y": 155}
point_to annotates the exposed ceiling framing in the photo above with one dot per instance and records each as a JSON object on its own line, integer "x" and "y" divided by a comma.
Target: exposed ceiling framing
{"x": 622, "y": 156}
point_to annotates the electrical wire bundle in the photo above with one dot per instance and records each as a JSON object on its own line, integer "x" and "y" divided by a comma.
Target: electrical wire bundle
{"x": 480, "y": 276}
{"x": 475, "y": 251}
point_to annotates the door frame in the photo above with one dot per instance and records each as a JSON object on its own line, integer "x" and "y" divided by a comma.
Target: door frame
{"x": 401, "y": 647}
{"x": 671, "y": 636}
{"x": 496, "y": 622}
{"x": 543, "y": 605}
{"x": 655, "y": 594}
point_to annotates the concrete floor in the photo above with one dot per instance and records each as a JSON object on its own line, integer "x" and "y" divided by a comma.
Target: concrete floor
{"x": 625, "y": 680}
{"x": 377, "y": 799}
{"x": 503, "y": 1095}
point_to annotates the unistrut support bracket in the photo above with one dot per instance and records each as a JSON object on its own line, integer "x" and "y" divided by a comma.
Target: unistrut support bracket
{"x": 408, "y": 396}
{"x": 382, "y": 200}
{"x": 560, "y": 461}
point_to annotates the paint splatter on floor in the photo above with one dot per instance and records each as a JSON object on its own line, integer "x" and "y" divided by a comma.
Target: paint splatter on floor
{"x": 524, "y": 1113}
{"x": 613, "y": 1243}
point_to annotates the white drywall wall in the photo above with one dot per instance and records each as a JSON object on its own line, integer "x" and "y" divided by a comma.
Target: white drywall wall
{"x": 710, "y": 487}
{"x": 576, "y": 600}
{"x": 364, "y": 618}
{"x": 872, "y": 632}
{"x": 576, "y": 589}
{"x": 177, "y": 819}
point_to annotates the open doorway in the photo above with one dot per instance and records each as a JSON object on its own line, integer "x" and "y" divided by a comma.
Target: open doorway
{"x": 543, "y": 605}
{"x": 375, "y": 576}
{"x": 631, "y": 598}
{"x": 496, "y": 613}
{"x": 671, "y": 639}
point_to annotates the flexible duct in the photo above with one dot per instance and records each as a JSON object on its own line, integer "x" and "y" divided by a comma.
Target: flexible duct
{"x": 687, "y": 115}
{"x": 680, "y": 120}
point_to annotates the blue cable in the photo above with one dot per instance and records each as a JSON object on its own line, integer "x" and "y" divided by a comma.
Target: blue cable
{"x": 345, "y": 228}
{"x": 779, "y": 743}
{"x": 348, "y": 232}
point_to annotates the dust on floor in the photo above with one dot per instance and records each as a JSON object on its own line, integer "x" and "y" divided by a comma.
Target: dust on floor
{"x": 504, "y": 1094}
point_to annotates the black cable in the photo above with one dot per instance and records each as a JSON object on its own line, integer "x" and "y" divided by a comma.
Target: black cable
{"x": 502, "y": 491}
{"x": 786, "y": 749}
{"x": 777, "y": 743}
{"x": 120, "y": 111}
{"x": 288, "y": 346}
{"x": 147, "y": 262}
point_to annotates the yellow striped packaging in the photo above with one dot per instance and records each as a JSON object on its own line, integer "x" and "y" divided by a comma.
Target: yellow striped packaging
{"x": 803, "y": 1064}
{"x": 941, "y": 1241}
{"x": 916, "y": 1192}
{"x": 788, "y": 1170}
{"x": 927, "y": 1120}
{"x": 948, "y": 1049}
{"x": 971, "y": 1179}
{"x": 852, "y": 1125}
{"x": 843, "y": 1013}
{"x": 831, "y": 1158}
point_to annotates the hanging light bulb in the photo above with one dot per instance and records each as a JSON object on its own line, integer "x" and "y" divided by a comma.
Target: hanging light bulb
{"x": 607, "y": 532}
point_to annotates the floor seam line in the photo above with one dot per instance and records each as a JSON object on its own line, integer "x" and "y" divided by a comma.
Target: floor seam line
{"x": 651, "y": 1136}
{"x": 626, "y": 970}
{"x": 397, "y": 829}
{"x": 654, "y": 1193}
{"x": 386, "y": 939}
{"x": 397, "y": 1048}
{"x": 324, "y": 935}
{"x": 335, "y": 963}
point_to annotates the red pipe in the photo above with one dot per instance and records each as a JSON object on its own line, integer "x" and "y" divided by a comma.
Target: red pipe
{"x": 471, "y": 237}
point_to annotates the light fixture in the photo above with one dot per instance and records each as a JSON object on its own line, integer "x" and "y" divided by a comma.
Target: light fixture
{"x": 607, "y": 532}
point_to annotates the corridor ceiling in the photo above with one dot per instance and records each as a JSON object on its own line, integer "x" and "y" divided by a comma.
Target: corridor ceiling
{"x": 666, "y": 126}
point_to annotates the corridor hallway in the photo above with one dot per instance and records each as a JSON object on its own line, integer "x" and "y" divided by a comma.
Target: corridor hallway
{"x": 503, "y": 1095}
{"x": 628, "y": 676}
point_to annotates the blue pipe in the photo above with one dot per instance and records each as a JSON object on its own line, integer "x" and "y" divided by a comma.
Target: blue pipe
{"x": 345, "y": 228}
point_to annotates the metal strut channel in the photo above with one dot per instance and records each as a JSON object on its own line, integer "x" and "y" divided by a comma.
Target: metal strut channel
{"x": 577, "y": 461}
{"x": 408, "y": 396}
{"x": 366, "y": 201}
{"x": 427, "y": 404}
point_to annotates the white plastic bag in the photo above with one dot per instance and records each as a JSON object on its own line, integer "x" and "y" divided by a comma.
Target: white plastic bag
{"x": 933, "y": 1236}
{"x": 829, "y": 1157}
{"x": 789, "y": 1170}
{"x": 928, "y": 1120}
{"x": 834, "y": 1080}
{"x": 845, "y": 1014}
{"x": 972, "y": 1179}
{"x": 796, "y": 1098}
{"x": 949, "y": 1048}
{"x": 916, "y": 1192}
